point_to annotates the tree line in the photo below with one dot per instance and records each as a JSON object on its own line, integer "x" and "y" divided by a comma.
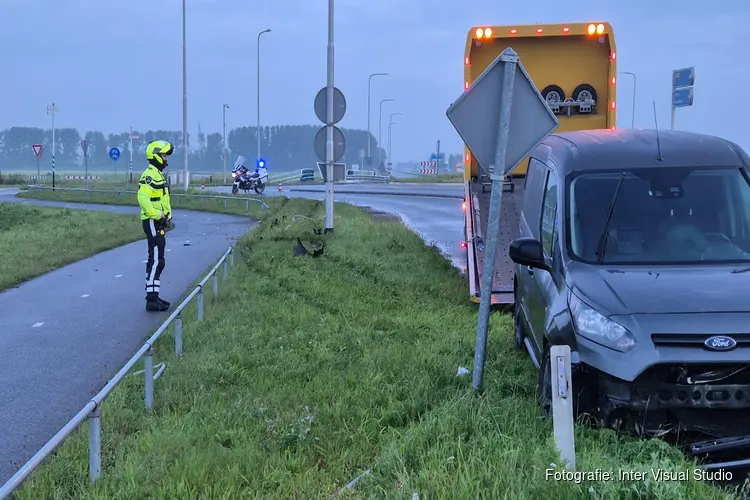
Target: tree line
{"x": 284, "y": 147}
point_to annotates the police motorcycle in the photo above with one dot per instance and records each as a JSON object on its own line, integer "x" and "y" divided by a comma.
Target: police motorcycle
{"x": 243, "y": 179}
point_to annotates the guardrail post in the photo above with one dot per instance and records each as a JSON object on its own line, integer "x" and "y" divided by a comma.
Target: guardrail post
{"x": 178, "y": 335}
{"x": 215, "y": 280}
{"x": 236, "y": 250}
{"x": 225, "y": 203}
{"x": 231, "y": 258}
{"x": 225, "y": 271}
{"x": 148, "y": 365}
{"x": 247, "y": 205}
{"x": 95, "y": 443}
{"x": 200, "y": 303}
{"x": 562, "y": 404}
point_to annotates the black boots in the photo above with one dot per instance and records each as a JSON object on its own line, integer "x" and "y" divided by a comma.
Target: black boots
{"x": 155, "y": 303}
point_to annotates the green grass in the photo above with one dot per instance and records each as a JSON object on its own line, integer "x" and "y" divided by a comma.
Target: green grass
{"x": 443, "y": 178}
{"x": 344, "y": 362}
{"x": 36, "y": 240}
{"x": 236, "y": 205}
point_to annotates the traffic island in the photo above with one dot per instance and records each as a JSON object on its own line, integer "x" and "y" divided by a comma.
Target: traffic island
{"x": 307, "y": 372}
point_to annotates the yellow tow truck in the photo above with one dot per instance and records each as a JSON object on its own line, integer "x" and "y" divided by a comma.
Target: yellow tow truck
{"x": 574, "y": 66}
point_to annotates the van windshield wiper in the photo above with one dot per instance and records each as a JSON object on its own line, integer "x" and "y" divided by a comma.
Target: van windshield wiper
{"x": 604, "y": 235}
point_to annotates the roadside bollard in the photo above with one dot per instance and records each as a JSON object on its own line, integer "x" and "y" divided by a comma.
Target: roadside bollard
{"x": 247, "y": 205}
{"x": 178, "y": 335}
{"x": 95, "y": 443}
{"x": 200, "y": 303}
{"x": 215, "y": 280}
{"x": 224, "y": 277}
{"x": 148, "y": 365}
{"x": 562, "y": 404}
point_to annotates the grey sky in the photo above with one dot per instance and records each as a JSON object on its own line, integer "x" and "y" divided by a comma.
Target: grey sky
{"x": 110, "y": 65}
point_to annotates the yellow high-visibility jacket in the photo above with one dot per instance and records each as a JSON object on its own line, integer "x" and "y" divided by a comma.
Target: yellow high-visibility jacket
{"x": 153, "y": 194}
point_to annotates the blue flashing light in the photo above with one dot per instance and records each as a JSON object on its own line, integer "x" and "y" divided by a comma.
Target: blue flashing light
{"x": 261, "y": 163}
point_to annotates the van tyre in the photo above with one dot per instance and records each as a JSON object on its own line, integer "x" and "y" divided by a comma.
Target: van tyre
{"x": 544, "y": 384}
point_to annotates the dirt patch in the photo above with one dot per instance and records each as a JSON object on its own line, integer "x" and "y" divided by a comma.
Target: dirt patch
{"x": 382, "y": 216}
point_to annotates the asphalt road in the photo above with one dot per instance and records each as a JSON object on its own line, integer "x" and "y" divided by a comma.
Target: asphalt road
{"x": 63, "y": 335}
{"x": 433, "y": 211}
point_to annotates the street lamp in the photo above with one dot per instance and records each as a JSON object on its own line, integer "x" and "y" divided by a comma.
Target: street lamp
{"x": 52, "y": 110}
{"x": 224, "y": 135}
{"x": 369, "y": 141}
{"x": 390, "y": 124}
{"x": 267, "y": 30}
{"x": 632, "y": 118}
{"x": 184, "y": 97}
{"x": 380, "y": 132}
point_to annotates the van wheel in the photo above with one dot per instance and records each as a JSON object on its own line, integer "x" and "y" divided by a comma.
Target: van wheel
{"x": 520, "y": 331}
{"x": 544, "y": 384}
{"x": 584, "y": 92}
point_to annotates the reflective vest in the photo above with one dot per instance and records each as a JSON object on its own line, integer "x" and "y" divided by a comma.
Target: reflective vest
{"x": 153, "y": 194}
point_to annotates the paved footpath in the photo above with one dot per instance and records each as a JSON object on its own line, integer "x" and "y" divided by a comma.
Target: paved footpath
{"x": 63, "y": 335}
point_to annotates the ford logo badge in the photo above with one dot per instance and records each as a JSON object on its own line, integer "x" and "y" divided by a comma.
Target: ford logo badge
{"x": 720, "y": 343}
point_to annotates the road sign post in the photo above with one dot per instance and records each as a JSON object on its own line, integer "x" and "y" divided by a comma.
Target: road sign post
{"x": 114, "y": 153}
{"x": 85, "y": 149}
{"x": 683, "y": 81}
{"x": 516, "y": 119}
{"x": 38, "y": 148}
{"x": 329, "y": 142}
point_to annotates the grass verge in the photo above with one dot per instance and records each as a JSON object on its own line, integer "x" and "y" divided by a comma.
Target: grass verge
{"x": 345, "y": 362}
{"x": 36, "y": 240}
{"x": 444, "y": 178}
{"x": 235, "y": 205}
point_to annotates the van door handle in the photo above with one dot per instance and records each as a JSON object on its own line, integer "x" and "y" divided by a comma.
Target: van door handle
{"x": 530, "y": 270}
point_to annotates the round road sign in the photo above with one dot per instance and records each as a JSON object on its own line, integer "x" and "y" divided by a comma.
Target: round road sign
{"x": 114, "y": 153}
{"x": 321, "y": 105}
{"x": 339, "y": 143}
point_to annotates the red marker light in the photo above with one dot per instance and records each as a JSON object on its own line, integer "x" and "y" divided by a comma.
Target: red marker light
{"x": 513, "y": 32}
{"x": 463, "y": 244}
{"x": 467, "y": 157}
{"x": 612, "y": 56}
{"x": 466, "y": 61}
{"x": 566, "y": 30}
{"x": 612, "y": 128}
{"x": 613, "y": 80}
{"x": 463, "y": 206}
{"x": 612, "y": 105}
{"x": 466, "y": 85}
{"x": 540, "y": 30}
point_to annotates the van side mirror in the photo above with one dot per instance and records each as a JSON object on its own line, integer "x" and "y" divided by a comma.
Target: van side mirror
{"x": 528, "y": 252}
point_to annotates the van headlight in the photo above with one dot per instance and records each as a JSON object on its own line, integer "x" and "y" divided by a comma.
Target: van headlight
{"x": 595, "y": 327}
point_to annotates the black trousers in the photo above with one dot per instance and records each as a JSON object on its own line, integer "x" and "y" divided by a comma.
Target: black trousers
{"x": 156, "y": 249}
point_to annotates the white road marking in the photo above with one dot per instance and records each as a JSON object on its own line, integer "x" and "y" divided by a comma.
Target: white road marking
{"x": 84, "y": 295}
{"x": 37, "y": 325}
{"x": 118, "y": 276}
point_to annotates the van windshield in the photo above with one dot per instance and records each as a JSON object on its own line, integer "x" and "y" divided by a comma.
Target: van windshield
{"x": 663, "y": 215}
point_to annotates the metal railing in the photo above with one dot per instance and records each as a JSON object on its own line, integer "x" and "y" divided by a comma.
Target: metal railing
{"x": 93, "y": 410}
{"x": 120, "y": 192}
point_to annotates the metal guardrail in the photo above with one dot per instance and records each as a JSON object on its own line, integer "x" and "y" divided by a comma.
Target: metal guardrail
{"x": 119, "y": 192}
{"x": 367, "y": 176}
{"x": 93, "y": 410}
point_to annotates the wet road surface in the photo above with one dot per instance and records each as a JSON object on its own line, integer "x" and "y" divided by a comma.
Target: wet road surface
{"x": 63, "y": 335}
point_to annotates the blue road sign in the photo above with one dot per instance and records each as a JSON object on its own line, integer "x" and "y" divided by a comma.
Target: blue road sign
{"x": 683, "y": 78}
{"x": 114, "y": 153}
{"x": 434, "y": 157}
{"x": 682, "y": 97}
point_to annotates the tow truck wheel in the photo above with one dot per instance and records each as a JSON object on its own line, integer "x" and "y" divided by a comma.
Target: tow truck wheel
{"x": 584, "y": 92}
{"x": 553, "y": 94}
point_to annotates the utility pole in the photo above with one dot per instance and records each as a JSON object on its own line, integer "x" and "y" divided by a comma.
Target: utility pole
{"x": 437, "y": 160}
{"x": 52, "y": 110}
{"x": 369, "y": 140}
{"x": 268, "y": 30}
{"x": 380, "y": 134}
{"x": 224, "y": 135}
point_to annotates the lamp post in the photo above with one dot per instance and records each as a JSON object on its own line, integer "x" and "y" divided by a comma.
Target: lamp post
{"x": 267, "y": 30}
{"x": 380, "y": 132}
{"x": 390, "y": 124}
{"x": 224, "y": 136}
{"x": 632, "y": 118}
{"x": 369, "y": 141}
{"x": 52, "y": 111}
{"x": 184, "y": 97}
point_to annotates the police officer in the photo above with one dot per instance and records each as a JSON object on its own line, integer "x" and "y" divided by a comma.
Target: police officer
{"x": 156, "y": 215}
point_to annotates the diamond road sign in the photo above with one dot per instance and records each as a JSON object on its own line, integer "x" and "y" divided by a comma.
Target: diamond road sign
{"x": 475, "y": 116}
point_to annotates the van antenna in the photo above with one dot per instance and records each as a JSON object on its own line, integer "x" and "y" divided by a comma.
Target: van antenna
{"x": 658, "y": 144}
